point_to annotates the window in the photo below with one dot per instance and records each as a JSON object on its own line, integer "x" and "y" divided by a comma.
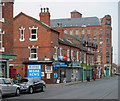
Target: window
{"x": 82, "y": 32}
{"x": 84, "y": 58}
{"x": 71, "y": 54}
{"x": 107, "y": 41}
{"x": 77, "y": 32}
{"x": 88, "y": 32}
{"x": 33, "y": 53}
{"x": 77, "y": 56}
{"x": 0, "y": 11}
{"x": 22, "y": 34}
{"x": 101, "y": 59}
{"x": 55, "y": 50}
{"x": 94, "y": 40}
{"x": 33, "y": 34}
{"x": 71, "y": 32}
{"x": 65, "y": 31}
{"x": 107, "y": 32}
{"x": 88, "y": 39}
{"x": 0, "y": 40}
{"x": 60, "y": 51}
{"x": 100, "y": 41}
{"x": 107, "y": 50}
{"x": 100, "y": 32}
{"x": 94, "y": 32}
{"x": 68, "y": 54}
{"x": 107, "y": 59}
{"x": 100, "y": 50}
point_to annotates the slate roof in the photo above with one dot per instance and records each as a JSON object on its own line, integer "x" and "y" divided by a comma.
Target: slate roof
{"x": 76, "y": 22}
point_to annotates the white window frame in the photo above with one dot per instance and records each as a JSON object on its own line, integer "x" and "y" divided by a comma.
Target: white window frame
{"x": 82, "y": 31}
{"x": 33, "y": 34}
{"x": 71, "y": 32}
{"x": 33, "y": 53}
{"x": 2, "y": 48}
{"x": 84, "y": 58}
{"x": 77, "y": 56}
{"x": 68, "y": 57}
{"x": 71, "y": 54}
{"x": 60, "y": 51}
{"x": 55, "y": 50}
{"x": 21, "y": 34}
{"x": 100, "y": 42}
{"x": 76, "y": 32}
{"x": 1, "y": 19}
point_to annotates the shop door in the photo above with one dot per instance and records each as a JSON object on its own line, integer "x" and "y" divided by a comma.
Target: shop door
{"x": 107, "y": 72}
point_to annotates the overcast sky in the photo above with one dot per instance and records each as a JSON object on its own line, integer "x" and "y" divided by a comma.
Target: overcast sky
{"x": 62, "y": 9}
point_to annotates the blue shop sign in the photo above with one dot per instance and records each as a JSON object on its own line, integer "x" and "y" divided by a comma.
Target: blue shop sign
{"x": 34, "y": 71}
{"x": 60, "y": 64}
{"x": 63, "y": 65}
{"x": 60, "y": 57}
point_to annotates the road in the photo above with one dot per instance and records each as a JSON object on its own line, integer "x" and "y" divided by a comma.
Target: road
{"x": 106, "y": 88}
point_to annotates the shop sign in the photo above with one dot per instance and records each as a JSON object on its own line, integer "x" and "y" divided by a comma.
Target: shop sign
{"x": 65, "y": 58}
{"x": 48, "y": 69}
{"x": 34, "y": 71}
{"x": 60, "y": 57}
{"x": 63, "y": 65}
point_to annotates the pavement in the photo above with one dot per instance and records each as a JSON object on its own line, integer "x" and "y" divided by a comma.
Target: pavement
{"x": 72, "y": 83}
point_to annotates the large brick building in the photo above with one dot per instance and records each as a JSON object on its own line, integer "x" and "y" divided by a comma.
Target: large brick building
{"x": 93, "y": 30}
{"x": 6, "y": 37}
{"x": 53, "y": 53}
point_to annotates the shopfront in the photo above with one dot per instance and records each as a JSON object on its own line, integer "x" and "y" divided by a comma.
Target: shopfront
{"x": 4, "y": 64}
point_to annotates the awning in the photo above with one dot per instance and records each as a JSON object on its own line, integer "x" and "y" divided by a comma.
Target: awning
{"x": 59, "y": 64}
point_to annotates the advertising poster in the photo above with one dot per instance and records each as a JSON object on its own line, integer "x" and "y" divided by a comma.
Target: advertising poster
{"x": 34, "y": 71}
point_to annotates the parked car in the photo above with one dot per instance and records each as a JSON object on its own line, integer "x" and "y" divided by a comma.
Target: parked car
{"x": 117, "y": 74}
{"x": 0, "y": 92}
{"x": 8, "y": 87}
{"x": 32, "y": 84}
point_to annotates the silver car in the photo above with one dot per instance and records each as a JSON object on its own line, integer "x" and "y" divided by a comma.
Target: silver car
{"x": 8, "y": 87}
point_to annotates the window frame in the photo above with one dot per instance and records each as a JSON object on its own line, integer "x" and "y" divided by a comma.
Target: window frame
{"x": 36, "y": 58}
{"x": 77, "y": 32}
{"x": 88, "y": 32}
{"x": 33, "y": 34}
{"x": 71, "y": 32}
{"x": 21, "y": 34}
{"x": 100, "y": 42}
{"x": 100, "y": 32}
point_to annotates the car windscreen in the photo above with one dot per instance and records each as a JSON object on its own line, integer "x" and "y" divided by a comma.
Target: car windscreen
{"x": 1, "y": 81}
{"x": 26, "y": 80}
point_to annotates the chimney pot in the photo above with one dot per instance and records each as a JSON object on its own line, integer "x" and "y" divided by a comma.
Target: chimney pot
{"x": 47, "y": 10}
{"x": 41, "y": 10}
{"x": 44, "y": 9}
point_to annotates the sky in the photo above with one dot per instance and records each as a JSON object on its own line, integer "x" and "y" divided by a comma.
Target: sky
{"x": 62, "y": 9}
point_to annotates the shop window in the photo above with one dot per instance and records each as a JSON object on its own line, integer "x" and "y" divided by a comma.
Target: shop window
{"x": 33, "y": 36}
{"x": 71, "y": 54}
{"x": 68, "y": 54}
{"x": 77, "y": 56}
{"x": 88, "y": 39}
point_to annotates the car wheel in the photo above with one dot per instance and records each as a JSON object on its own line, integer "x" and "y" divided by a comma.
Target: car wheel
{"x": 43, "y": 88}
{"x": 17, "y": 91}
{"x": 31, "y": 90}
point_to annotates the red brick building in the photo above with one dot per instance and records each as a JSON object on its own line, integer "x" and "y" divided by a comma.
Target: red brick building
{"x": 50, "y": 51}
{"x": 91, "y": 29}
{"x": 6, "y": 37}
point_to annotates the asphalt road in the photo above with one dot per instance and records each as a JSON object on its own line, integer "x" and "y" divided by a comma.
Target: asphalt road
{"x": 106, "y": 88}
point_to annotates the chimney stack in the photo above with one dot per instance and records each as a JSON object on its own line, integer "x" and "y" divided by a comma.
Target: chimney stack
{"x": 76, "y": 14}
{"x": 45, "y": 16}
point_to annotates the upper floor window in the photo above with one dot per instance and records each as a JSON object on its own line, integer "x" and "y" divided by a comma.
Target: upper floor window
{"x": 94, "y": 40}
{"x": 33, "y": 36}
{"x": 0, "y": 40}
{"x": 100, "y": 41}
{"x": 60, "y": 51}
{"x": 94, "y": 32}
{"x": 71, "y": 32}
{"x": 77, "y": 32}
{"x": 0, "y": 11}
{"x": 84, "y": 58}
{"x": 68, "y": 54}
{"x": 100, "y": 50}
{"x": 107, "y": 41}
{"x": 107, "y": 50}
{"x": 107, "y": 59}
{"x": 82, "y": 32}
{"x": 77, "y": 56}
{"x": 88, "y": 39}
{"x": 65, "y": 31}
{"x": 100, "y": 32}
{"x": 33, "y": 53}
{"x": 107, "y": 32}
{"x": 71, "y": 54}
{"x": 22, "y": 34}
{"x": 101, "y": 59}
{"x": 88, "y": 32}
{"x": 55, "y": 50}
